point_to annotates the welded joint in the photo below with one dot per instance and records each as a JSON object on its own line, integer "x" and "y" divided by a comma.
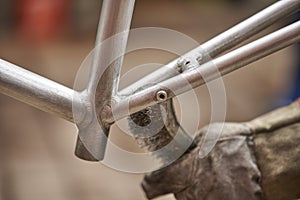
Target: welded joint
{"x": 106, "y": 113}
{"x": 81, "y": 109}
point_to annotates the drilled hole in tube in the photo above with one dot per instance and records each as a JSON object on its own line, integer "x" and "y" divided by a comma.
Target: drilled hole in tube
{"x": 161, "y": 96}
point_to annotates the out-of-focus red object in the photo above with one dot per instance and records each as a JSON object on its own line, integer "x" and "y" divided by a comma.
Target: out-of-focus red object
{"x": 298, "y": 100}
{"x": 40, "y": 20}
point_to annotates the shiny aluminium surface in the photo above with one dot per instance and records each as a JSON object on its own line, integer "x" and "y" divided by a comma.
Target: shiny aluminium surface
{"x": 102, "y": 87}
{"x": 36, "y": 90}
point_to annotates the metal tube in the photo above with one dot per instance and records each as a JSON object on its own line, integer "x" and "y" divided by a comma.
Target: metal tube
{"x": 251, "y": 26}
{"x": 36, "y": 90}
{"x": 103, "y": 83}
{"x": 224, "y": 41}
{"x": 211, "y": 70}
{"x": 111, "y": 41}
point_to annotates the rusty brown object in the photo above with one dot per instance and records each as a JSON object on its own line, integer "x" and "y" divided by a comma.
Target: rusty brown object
{"x": 259, "y": 159}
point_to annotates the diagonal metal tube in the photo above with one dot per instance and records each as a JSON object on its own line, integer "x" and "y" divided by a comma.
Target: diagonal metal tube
{"x": 251, "y": 26}
{"x": 36, "y": 90}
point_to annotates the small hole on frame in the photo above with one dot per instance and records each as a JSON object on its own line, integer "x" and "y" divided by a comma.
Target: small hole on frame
{"x": 161, "y": 95}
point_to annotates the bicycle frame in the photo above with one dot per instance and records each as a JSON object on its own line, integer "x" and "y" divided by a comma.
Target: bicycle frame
{"x": 57, "y": 99}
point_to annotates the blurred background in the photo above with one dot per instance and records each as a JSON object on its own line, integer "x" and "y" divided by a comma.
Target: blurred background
{"x": 52, "y": 38}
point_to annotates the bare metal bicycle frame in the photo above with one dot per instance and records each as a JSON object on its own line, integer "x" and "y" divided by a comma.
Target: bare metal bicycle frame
{"x": 57, "y": 99}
